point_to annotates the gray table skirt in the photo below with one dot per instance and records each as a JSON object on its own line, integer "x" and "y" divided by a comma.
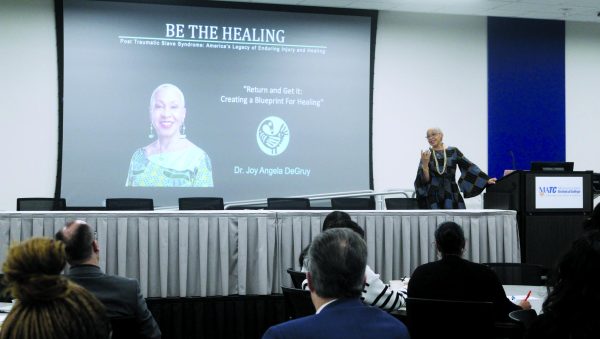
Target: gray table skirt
{"x": 193, "y": 253}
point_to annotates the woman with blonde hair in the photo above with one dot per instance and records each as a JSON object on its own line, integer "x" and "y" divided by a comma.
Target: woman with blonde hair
{"x": 48, "y": 305}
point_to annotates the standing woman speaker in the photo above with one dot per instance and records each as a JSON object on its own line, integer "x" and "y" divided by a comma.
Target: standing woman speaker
{"x": 436, "y": 186}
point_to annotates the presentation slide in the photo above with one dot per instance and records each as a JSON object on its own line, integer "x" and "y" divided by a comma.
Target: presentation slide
{"x": 559, "y": 192}
{"x": 169, "y": 101}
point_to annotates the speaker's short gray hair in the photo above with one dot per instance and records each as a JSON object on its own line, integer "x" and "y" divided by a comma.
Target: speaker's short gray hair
{"x": 165, "y": 86}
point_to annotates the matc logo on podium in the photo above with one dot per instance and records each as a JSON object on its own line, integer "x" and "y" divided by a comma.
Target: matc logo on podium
{"x": 558, "y": 192}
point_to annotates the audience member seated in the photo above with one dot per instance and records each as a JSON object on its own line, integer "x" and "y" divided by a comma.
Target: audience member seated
{"x": 454, "y": 278}
{"x": 571, "y": 309}
{"x": 48, "y": 305}
{"x": 121, "y": 296}
{"x": 330, "y": 219}
{"x": 376, "y": 292}
{"x": 336, "y": 273}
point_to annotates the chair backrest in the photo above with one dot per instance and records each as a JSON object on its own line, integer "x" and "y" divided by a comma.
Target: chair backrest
{"x": 297, "y": 277}
{"x": 523, "y": 317}
{"x": 353, "y": 203}
{"x": 431, "y": 318}
{"x": 41, "y": 204}
{"x": 201, "y": 203}
{"x": 519, "y": 274}
{"x": 297, "y": 302}
{"x": 129, "y": 204}
{"x": 401, "y": 204}
{"x": 288, "y": 204}
{"x": 85, "y": 208}
{"x": 125, "y": 328}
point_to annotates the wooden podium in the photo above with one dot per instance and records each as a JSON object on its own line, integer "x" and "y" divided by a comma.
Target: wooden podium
{"x": 551, "y": 207}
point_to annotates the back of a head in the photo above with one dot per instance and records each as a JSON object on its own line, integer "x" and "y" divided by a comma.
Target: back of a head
{"x": 577, "y": 277}
{"x": 337, "y": 261}
{"x": 49, "y": 305}
{"x": 333, "y": 218}
{"x": 450, "y": 239}
{"x": 338, "y": 219}
{"x": 581, "y": 264}
{"x": 78, "y": 245}
{"x": 572, "y": 304}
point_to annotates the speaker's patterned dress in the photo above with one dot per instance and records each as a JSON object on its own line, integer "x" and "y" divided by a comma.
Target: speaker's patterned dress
{"x": 190, "y": 167}
{"x": 442, "y": 192}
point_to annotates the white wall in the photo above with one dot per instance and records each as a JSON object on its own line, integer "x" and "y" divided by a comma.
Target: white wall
{"x": 582, "y": 85}
{"x": 582, "y": 82}
{"x": 430, "y": 71}
{"x": 28, "y": 94}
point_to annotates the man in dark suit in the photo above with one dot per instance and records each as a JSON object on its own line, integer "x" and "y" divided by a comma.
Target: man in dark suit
{"x": 454, "y": 278}
{"x": 121, "y": 296}
{"x": 336, "y": 275}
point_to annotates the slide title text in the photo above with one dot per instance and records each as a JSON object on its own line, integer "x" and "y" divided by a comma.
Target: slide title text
{"x": 225, "y": 33}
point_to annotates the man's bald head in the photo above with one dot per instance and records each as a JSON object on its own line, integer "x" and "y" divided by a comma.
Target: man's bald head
{"x": 79, "y": 241}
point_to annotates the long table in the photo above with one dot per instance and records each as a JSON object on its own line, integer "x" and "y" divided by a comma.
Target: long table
{"x": 515, "y": 293}
{"x": 197, "y": 253}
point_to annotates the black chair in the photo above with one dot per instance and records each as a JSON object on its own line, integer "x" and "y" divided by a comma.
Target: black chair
{"x": 85, "y": 208}
{"x": 431, "y": 318}
{"x": 288, "y": 204}
{"x": 297, "y": 302}
{"x": 125, "y": 328}
{"x": 297, "y": 277}
{"x": 519, "y": 274}
{"x": 401, "y": 204}
{"x": 41, "y": 204}
{"x": 523, "y": 317}
{"x": 201, "y": 203}
{"x": 353, "y": 203}
{"x": 129, "y": 204}
{"x": 246, "y": 207}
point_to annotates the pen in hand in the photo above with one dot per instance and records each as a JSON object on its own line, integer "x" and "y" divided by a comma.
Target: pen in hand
{"x": 524, "y": 303}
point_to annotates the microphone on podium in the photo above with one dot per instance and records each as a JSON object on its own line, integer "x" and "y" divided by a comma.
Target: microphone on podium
{"x": 514, "y": 163}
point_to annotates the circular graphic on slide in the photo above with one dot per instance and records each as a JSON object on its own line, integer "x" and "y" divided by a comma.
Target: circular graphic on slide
{"x": 273, "y": 136}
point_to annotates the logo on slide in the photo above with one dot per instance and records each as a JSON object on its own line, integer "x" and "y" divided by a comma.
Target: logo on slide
{"x": 273, "y": 136}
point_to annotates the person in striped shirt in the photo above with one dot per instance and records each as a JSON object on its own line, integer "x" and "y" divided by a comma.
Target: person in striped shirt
{"x": 375, "y": 292}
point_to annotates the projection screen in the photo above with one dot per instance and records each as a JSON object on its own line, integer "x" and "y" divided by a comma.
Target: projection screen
{"x": 168, "y": 101}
